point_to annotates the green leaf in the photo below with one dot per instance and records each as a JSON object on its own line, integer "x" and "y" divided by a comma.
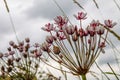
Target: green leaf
{"x": 111, "y": 73}
{"x": 96, "y": 4}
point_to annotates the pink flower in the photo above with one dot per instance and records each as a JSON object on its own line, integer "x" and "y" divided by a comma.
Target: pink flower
{"x": 100, "y": 30}
{"x": 27, "y": 40}
{"x": 91, "y": 31}
{"x": 70, "y": 29}
{"x": 6, "y": 54}
{"x": 61, "y": 36}
{"x": 61, "y": 21}
{"x": 48, "y": 27}
{"x": 85, "y": 33}
{"x": 49, "y": 39}
{"x": 11, "y": 52}
{"x": 45, "y": 47}
{"x": 101, "y": 45}
{"x": 1, "y": 55}
{"x": 37, "y": 53}
{"x": 81, "y": 32}
{"x": 94, "y": 24}
{"x": 21, "y": 43}
{"x": 21, "y": 48}
{"x": 11, "y": 43}
{"x": 80, "y": 16}
{"x": 109, "y": 23}
{"x": 9, "y": 48}
{"x": 36, "y": 45}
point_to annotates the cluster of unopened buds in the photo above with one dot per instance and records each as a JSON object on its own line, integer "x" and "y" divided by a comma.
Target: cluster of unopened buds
{"x": 20, "y": 59}
{"x": 74, "y": 46}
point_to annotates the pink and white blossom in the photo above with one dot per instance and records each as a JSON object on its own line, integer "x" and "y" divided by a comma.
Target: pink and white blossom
{"x": 61, "y": 36}
{"x": 49, "y": 39}
{"x": 60, "y": 21}
{"x": 45, "y": 46}
{"x": 109, "y": 23}
{"x": 70, "y": 29}
{"x": 1, "y": 55}
{"x": 100, "y": 30}
{"x": 11, "y": 43}
{"x": 11, "y": 52}
{"x": 48, "y": 27}
{"x": 37, "y": 53}
{"x": 80, "y": 16}
{"x": 94, "y": 24}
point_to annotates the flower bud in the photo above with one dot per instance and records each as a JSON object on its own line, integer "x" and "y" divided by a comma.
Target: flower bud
{"x": 1, "y": 55}
{"x": 27, "y": 46}
{"x": 30, "y": 62}
{"x": 59, "y": 61}
{"x": 2, "y": 68}
{"x": 18, "y": 59}
{"x": 11, "y": 52}
{"x": 11, "y": 43}
{"x": 101, "y": 45}
{"x": 9, "y": 62}
{"x": 27, "y": 40}
{"x": 25, "y": 55}
{"x": 9, "y": 69}
{"x": 36, "y": 65}
{"x": 56, "y": 50}
{"x": 36, "y": 45}
{"x": 74, "y": 37}
{"x": 9, "y": 49}
{"x": 15, "y": 46}
{"x": 21, "y": 43}
{"x": 20, "y": 49}
{"x": 61, "y": 56}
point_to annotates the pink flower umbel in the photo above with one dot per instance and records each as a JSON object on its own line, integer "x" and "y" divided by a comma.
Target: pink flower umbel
{"x": 74, "y": 47}
{"x": 19, "y": 60}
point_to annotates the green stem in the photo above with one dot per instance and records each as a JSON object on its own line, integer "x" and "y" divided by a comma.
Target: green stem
{"x": 83, "y": 77}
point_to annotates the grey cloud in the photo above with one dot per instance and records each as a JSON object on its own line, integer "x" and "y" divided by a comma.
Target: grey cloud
{"x": 48, "y": 9}
{"x": 110, "y": 60}
{"x": 5, "y": 27}
{"x": 108, "y": 57}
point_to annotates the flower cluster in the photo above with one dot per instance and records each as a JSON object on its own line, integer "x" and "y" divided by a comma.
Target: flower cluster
{"x": 74, "y": 47}
{"x": 21, "y": 60}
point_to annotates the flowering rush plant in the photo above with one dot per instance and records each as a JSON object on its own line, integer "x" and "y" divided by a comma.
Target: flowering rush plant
{"x": 20, "y": 62}
{"x": 74, "y": 46}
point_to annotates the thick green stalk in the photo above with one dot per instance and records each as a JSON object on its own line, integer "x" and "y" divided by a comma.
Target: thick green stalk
{"x": 83, "y": 77}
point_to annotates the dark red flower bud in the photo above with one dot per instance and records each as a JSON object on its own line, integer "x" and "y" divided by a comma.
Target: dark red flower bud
{"x": 27, "y": 40}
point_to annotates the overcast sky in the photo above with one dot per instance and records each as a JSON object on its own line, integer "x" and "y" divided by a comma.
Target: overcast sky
{"x": 30, "y": 15}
